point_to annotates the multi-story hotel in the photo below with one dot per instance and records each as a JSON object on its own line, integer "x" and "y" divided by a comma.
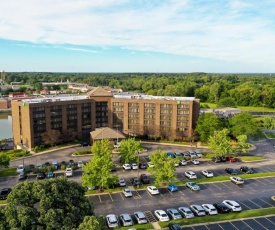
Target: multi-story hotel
{"x": 131, "y": 114}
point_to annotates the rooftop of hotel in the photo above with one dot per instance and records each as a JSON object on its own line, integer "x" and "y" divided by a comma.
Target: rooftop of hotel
{"x": 54, "y": 99}
{"x": 149, "y": 97}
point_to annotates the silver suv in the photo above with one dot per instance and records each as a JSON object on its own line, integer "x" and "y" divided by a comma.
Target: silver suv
{"x": 140, "y": 217}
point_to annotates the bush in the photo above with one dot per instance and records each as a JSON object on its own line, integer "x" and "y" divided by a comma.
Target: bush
{"x": 82, "y": 152}
{"x": 63, "y": 167}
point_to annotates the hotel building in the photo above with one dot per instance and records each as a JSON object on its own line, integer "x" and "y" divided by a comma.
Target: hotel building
{"x": 131, "y": 114}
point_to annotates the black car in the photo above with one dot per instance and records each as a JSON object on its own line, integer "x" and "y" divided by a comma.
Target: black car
{"x": 30, "y": 167}
{"x": 173, "y": 226}
{"x": 142, "y": 165}
{"x": 71, "y": 163}
{"x": 113, "y": 169}
{"x": 4, "y": 193}
{"x": 231, "y": 171}
{"x": 22, "y": 176}
{"x": 84, "y": 144}
{"x": 135, "y": 181}
{"x": 219, "y": 159}
{"x": 144, "y": 179}
{"x": 222, "y": 208}
{"x": 63, "y": 163}
{"x": 40, "y": 176}
{"x": 247, "y": 170}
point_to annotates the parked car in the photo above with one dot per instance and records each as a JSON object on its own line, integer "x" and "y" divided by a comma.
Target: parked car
{"x": 69, "y": 172}
{"x": 173, "y": 226}
{"x": 172, "y": 188}
{"x": 112, "y": 221}
{"x": 161, "y": 215}
{"x": 39, "y": 166}
{"x": 231, "y": 171}
{"x": 183, "y": 162}
{"x": 209, "y": 209}
{"x": 231, "y": 159}
{"x": 63, "y": 163}
{"x": 195, "y": 162}
{"x": 46, "y": 164}
{"x": 236, "y": 180}
{"x": 190, "y": 175}
{"x": 135, "y": 181}
{"x": 221, "y": 208}
{"x": 20, "y": 169}
{"x": 153, "y": 190}
{"x": 79, "y": 164}
{"x": 186, "y": 155}
{"x": 113, "y": 169}
{"x": 50, "y": 174}
{"x": 140, "y": 217}
{"x": 31, "y": 167}
{"x": 71, "y": 163}
{"x": 126, "y": 166}
{"x": 193, "y": 186}
{"x": 121, "y": 182}
{"x": 186, "y": 212}
{"x": 199, "y": 154}
{"x": 193, "y": 154}
{"x": 207, "y": 173}
{"x": 126, "y": 219}
{"x": 55, "y": 164}
{"x": 142, "y": 166}
{"x": 40, "y": 176}
{"x": 219, "y": 159}
{"x": 4, "y": 192}
{"x": 134, "y": 166}
{"x": 198, "y": 210}
{"x": 233, "y": 205}
{"x": 144, "y": 179}
{"x": 84, "y": 144}
{"x": 170, "y": 154}
{"x": 127, "y": 192}
{"x": 173, "y": 214}
{"x": 177, "y": 154}
{"x": 247, "y": 170}
{"x": 22, "y": 176}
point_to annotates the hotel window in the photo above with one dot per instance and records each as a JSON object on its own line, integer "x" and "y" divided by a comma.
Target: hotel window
{"x": 165, "y": 117}
{"x": 133, "y": 105}
{"x": 133, "y": 115}
{"x": 149, "y": 110}
{"x": 149, "y": 105}
{"x": 165, "y": 123}
{"x": 149, "y": 116}
{"x": 118, "y": 104}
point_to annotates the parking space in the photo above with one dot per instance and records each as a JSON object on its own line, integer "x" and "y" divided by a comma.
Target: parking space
{"x": 259, "y": 223}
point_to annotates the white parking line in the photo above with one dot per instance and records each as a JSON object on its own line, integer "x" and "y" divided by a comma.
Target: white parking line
{"x": 8, "y": 179}
{"x": 260, "y": 224}
{"x": 255, "y": 203}
{"x": 266, "y": 202}
{"x": 232, "y": 225}
{"x": 99, "y": 199}
{"x": 270, "y": 221}
{"x": 244, "y": 205}
{"x": 121, "y": 196}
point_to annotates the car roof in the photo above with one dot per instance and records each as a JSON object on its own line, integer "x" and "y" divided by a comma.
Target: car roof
{"x": 172, "y": 210}
{"x": 232, "y": 202}
{"x": 139, "y": 214}
{"x": 185, "y": 208}
{"x": 125, "y": 216}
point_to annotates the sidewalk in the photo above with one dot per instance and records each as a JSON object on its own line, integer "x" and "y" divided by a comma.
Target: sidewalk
{"x": 174, "y": 144}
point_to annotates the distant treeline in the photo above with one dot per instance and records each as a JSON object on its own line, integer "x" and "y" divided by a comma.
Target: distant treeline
{"x": 223, "y": 89}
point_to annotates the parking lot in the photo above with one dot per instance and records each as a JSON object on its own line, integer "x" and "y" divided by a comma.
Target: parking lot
{"x": 259, "y": 223}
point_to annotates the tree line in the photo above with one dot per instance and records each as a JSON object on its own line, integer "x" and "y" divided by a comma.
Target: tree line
{"x": 223, "y": 89}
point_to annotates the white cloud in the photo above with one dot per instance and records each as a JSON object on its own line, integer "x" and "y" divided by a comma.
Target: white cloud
{"x": 231, "y": 30}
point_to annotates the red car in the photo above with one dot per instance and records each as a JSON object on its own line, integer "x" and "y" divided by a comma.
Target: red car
{"x": 231, "y": 159}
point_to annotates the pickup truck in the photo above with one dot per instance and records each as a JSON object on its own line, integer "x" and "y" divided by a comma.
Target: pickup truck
{"x": 69, "y": 172}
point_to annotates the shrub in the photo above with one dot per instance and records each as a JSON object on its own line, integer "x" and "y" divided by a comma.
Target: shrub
{"x": 82, "y": 152}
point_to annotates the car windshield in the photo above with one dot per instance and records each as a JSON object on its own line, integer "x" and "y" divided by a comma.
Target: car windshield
{"x": 176, "y": 214}
{"x": 4, "y": 192}
{"x": 154, "y": 189}
{"x": 163, "y": 215}
{"x": 188, "y": 212}
{"x": 193, "y": 184}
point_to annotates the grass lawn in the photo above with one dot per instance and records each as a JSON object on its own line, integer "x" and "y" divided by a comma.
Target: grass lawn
{"x": 269, "y": 134}
{"x": 3, "y": 202}
{"x": 222, "y": 217}
{"x": 251, "y": 158}
{"x": 8, "y": 172}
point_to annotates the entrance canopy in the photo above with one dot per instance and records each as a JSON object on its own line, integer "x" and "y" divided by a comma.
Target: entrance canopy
{"x": 106, "y": 133}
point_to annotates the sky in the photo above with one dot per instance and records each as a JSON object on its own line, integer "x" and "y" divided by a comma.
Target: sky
{"x": 216, "y": 36}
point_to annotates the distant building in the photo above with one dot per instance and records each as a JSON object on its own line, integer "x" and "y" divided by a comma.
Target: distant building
{"x": 131, "y": 114}
{"x": 5, "y": 103}
{"x": 17, "y": 94}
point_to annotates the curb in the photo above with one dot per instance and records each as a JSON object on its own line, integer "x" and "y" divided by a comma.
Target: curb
{"x": 171, "y": 144}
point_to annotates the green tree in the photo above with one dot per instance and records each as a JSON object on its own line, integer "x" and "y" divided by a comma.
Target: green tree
{"x": 164, "y": 167}
{"x": 207, "y": 124}
{"x": 243, "y": 124}
{"x": 4, "y": 160}
{"x": 269, "y": 123}
{"x": 128, "y": 150}
{"x": 93, "y": 223}
{"x": 227, "y": 102}
{"x": 3, "y": 143}
{"x": 62, "y": 205}
{"x": 220, "y": 142}
{"x": 97, "y": 172}
{"x": 242, "y": 144}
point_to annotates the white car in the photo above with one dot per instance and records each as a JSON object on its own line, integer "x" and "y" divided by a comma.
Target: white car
{"x": 151, "y": 165}
{"x": 233, "y": 205}
{"x": 190, "y": 175}
{"x": 69, "y": 172}
{"x": 153, "y": 190}
{"x": 210, "y": 209}
{"x": 197, "y": 210}
{"x": 121, "y": 182}
{"x": 186, "y": 212}
{"x": 127, "y": 192}
{"x": 79, "y": 164}
{"x": 140, "y": 217}
{"x": 195, "y": 162}
{"x": 161, "y": 215}
{"x": 237, "y": 180}
{"x": 207, "y": 173}
{"x": 192, "y": 154}
{"x": 176, "y": 164}
{"x": 134, "y": 166}
{"x": 199, "y": 154}
{"x": 126, "y": 166}
{"x": 20, "y": 169}
{"x": 126, "y": 219}
{"x": 112, "y": 221}
{"x": 183, "y": 162}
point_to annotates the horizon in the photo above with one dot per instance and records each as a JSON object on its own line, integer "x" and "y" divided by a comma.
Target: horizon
{"x": 123, "y": 36}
